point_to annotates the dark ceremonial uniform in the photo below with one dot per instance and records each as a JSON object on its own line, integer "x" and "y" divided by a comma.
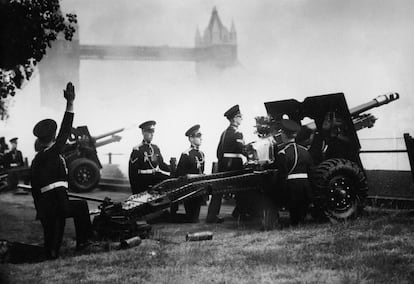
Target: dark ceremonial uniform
{"x": 192, "y": 162}
{"x": 230, "y": 151}
{"x": 49, "y": 186}
{"x": 146, "y": 167}
{"x": 230, "y": 155}
{"x": 296, "y": 163}
{"x": 13, "y": 160}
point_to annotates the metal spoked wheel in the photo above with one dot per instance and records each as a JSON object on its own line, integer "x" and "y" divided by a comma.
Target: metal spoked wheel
{"x": 84, "y": 175}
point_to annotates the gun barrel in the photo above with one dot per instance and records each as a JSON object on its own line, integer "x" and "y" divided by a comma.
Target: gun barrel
{"x": 113, "y": 132}
{"x": 378, "y": 101}
{"x": 114, "y": 138}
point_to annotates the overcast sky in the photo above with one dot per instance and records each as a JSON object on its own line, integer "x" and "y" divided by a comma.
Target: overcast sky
{"x": 287, "y": 49}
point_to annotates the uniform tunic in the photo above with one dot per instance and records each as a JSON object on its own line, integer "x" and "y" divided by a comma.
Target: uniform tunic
{"x": 296, "y": 163}
{"x": 191, "y": 162}
{"x": 145, "y": 164}
{"x": 230, "y": 151}
{"x": 49, "y": 167}
{"x": 13, "y": 159}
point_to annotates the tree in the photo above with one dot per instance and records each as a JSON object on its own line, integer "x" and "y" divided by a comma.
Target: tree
{"x": 27, "y": 28}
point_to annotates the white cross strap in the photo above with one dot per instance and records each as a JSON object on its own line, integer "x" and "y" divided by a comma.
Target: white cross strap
{"x": 54, "y": 185}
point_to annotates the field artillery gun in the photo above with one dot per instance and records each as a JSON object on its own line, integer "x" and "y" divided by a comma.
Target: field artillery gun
{"x": 338, "y": 179}
{"x": 81, "y": 157}
{"x": 123, "y": 220}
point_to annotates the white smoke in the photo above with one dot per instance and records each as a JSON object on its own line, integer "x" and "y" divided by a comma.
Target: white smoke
{"x": 287, "y": 49}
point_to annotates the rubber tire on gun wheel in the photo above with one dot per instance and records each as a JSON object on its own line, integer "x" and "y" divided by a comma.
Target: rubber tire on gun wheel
{"x": 340, "y": 189}
{"x": 83, "y": 175}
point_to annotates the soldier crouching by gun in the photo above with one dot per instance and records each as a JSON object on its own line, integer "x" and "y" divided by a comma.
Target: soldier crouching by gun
{"x": 50, "y": 183}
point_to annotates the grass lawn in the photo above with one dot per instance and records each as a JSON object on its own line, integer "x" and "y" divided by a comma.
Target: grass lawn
{"x": 377, "y": 248}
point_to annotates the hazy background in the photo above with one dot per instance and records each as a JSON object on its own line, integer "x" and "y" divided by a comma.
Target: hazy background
{"x": 287, "y": 49}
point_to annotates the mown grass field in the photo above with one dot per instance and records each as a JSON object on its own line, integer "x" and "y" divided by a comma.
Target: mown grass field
{"x": 377, "y": 248}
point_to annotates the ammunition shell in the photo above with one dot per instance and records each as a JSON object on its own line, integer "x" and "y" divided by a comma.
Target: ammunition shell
{"x": 199, "y": 236}
{"x": 132, "y": 242}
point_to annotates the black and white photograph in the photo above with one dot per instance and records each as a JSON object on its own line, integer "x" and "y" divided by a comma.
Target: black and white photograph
{"x": 206, "y": 141}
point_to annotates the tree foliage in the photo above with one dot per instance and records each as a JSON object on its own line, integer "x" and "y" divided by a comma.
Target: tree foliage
{"x": 27, "y": 28}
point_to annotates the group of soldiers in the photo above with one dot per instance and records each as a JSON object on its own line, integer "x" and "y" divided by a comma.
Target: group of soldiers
{"x": 147, "y": 168}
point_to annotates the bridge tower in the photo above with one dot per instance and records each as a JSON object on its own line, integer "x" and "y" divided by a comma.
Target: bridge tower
{"x": 216, "y": 48}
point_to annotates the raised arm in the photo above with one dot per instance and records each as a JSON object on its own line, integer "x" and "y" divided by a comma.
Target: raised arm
{"x": 66, "y": 126}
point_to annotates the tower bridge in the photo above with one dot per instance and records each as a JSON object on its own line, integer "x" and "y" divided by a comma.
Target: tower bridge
{"x": 213, "y": 51}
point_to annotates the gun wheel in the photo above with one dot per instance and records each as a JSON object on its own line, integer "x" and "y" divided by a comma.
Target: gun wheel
{"x": 83, "y": 175}
{"x": 341, "y": 188}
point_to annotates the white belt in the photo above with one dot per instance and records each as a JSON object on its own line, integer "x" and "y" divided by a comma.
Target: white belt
{"x": 146, "y": 172}
{"x": 54, "y": 185}
{"x": 233, "y": 155}
{"x": 295, "y": 176}
{"x": 152, "y": 171}
{"x": 236, "y": 155}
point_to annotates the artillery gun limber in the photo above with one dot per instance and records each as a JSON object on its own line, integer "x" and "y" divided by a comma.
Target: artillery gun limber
{"x": 82, "y": 159}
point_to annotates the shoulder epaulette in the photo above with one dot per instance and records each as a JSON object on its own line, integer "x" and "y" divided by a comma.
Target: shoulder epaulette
{"x": 137, "y": 147}
{"x": 187, "y": 152}
{"x": 302, "y": 147}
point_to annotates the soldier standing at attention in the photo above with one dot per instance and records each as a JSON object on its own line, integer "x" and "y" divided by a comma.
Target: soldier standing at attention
{"x": 296, "y": 163}
{"x": 146, "y": 165}
{"x": 230, "y": 155}
{"x": 192, "y": 163}
{"x": 14, "y": 157}
{"x": 13, "y": 160}
{"x": 50, "y": 183}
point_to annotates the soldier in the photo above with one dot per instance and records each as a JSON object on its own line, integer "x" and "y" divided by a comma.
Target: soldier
{"x": 295, "y": 164}
{"x": 50, "y": 184}
{"x": 192, "y": 163}
{"x": 13, "y": 160}
{"x": 146, "y": 165}
{"x": 231, "y": 156}
{"x": 14, "y": 157}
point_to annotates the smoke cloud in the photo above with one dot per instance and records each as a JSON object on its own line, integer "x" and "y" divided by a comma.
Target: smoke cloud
{"x": 287, "y": 49}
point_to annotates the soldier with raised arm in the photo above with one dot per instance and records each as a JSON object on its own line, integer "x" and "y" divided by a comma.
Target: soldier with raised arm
{"x": 50, "y": 183}
{"x": 146, "y": 164}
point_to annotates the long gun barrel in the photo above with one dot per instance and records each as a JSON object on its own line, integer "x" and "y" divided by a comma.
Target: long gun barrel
{"x": 114, "y": 138}
{"x": 378, "y": 101}
{"x": 113, "y": 132}
{"x": 367, "y": 120}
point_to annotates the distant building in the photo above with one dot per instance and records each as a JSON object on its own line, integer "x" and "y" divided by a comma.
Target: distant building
{"x": 216, "y": 33}
{"x": 217, "y": 47}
